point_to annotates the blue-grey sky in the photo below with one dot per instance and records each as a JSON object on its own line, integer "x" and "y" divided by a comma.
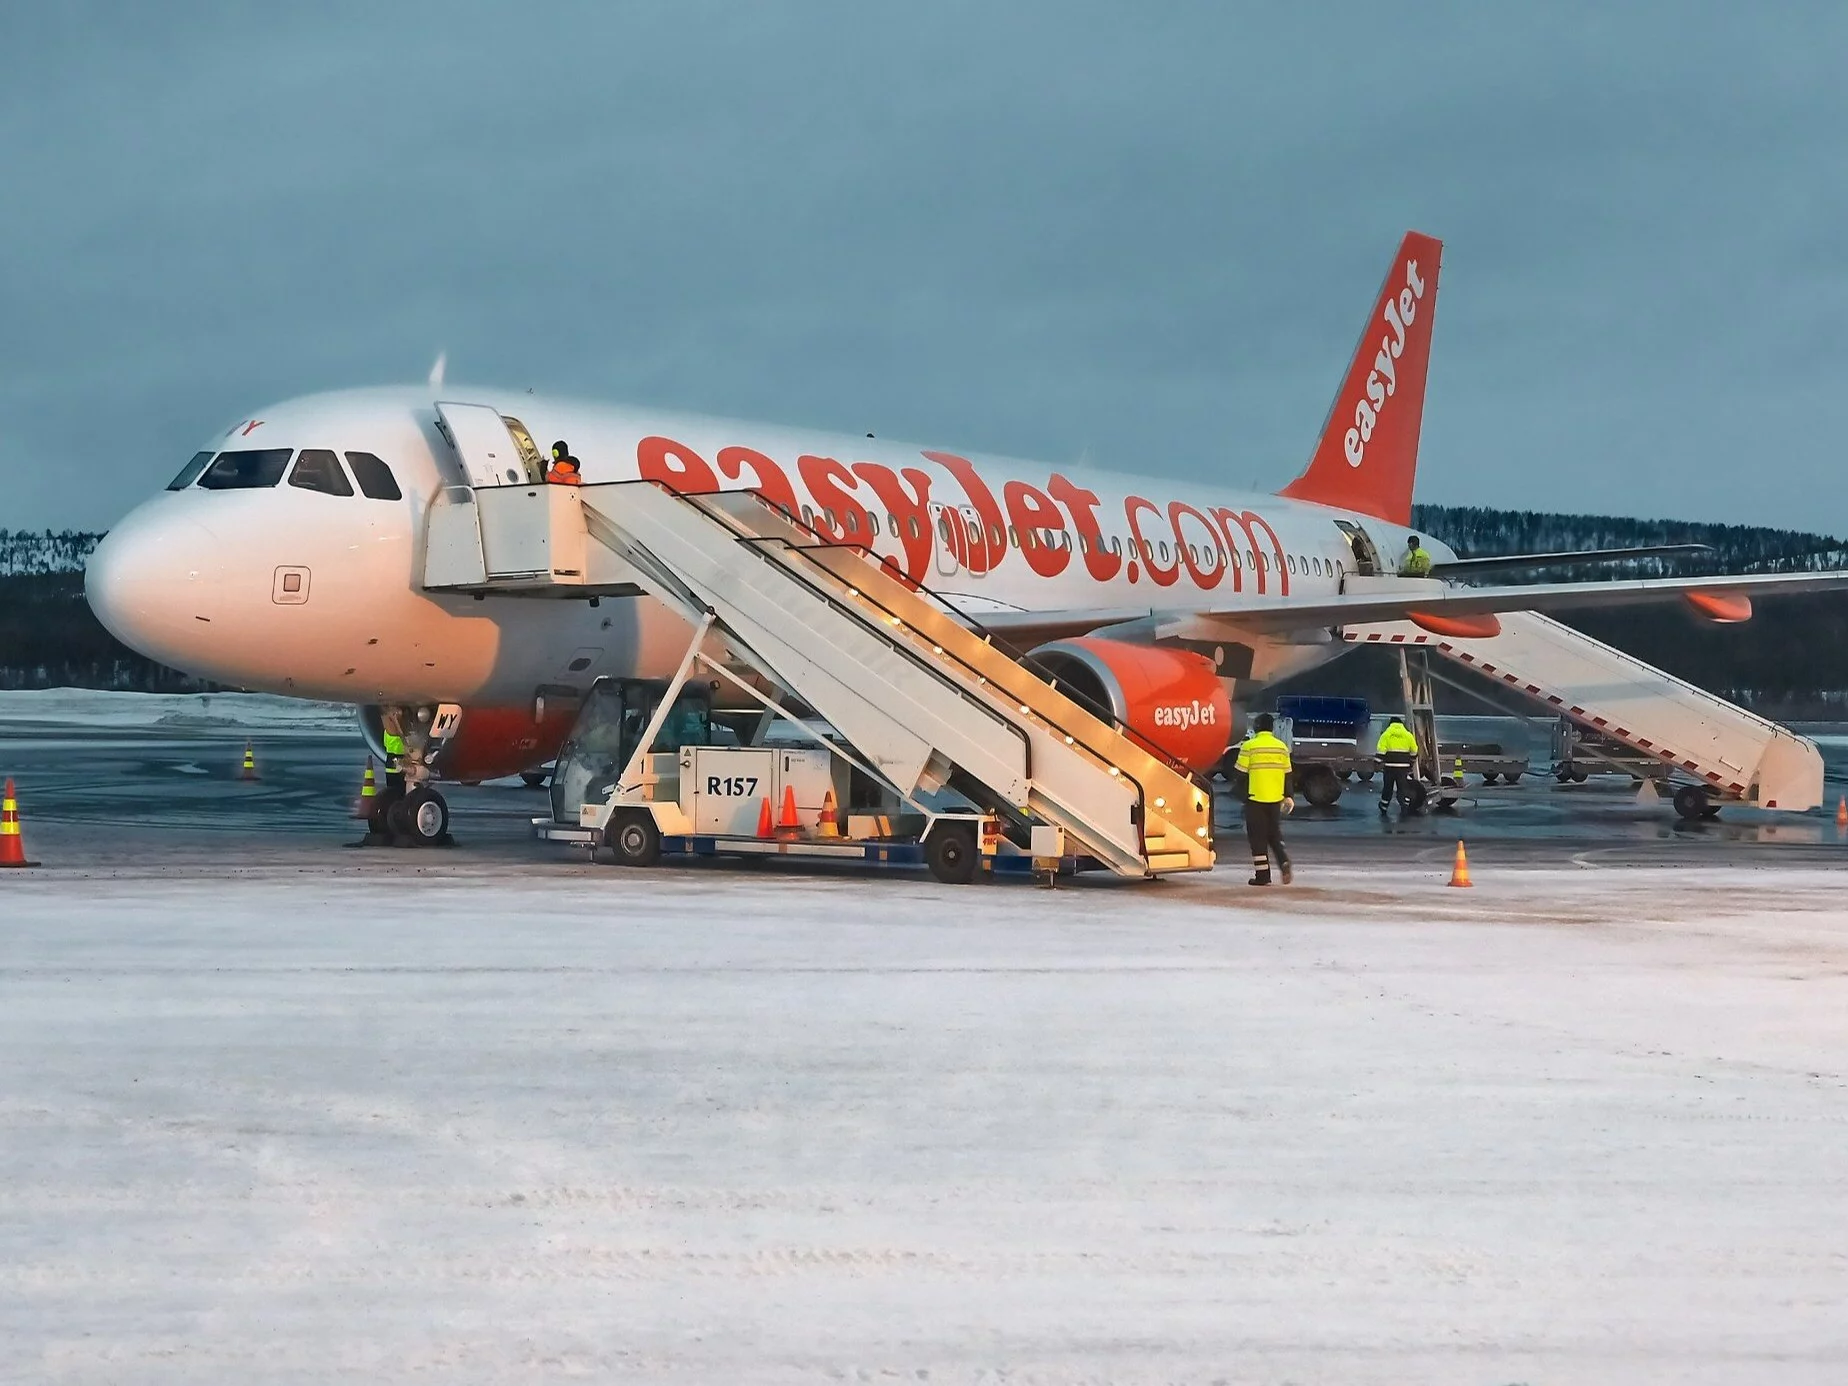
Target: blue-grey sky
{"x": 1140, "y": 234}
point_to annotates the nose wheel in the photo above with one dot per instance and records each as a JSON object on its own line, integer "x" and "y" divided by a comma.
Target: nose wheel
{"x": 416, "y": 817}
{"x": 419, "y": 819}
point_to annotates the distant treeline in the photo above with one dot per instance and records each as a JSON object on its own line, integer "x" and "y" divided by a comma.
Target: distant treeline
{"x": 49, "y": 637}
{"x": 1790, "y": 660}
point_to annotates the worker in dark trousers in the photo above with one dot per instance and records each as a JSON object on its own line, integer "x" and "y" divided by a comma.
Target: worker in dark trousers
{"x": 1398, "y": 754}
{"x": 1265, "y": 761}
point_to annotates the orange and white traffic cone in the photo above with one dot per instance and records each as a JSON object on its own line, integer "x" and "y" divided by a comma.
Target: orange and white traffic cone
{"x": 829, "y": 824}
{"x": 12, "y": 846}
{"x": 1841, "y": 812}
{"x": 1459, "y": 874}
{"x": 368, "y": 793}
{"x": 249, "y": 772}
{"x": 766, "y": 821}
{"x": 788, "y": 826}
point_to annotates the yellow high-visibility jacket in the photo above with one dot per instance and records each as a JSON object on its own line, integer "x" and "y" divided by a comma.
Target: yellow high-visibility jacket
{"x": 1397, "y": 744}
{"x": 1415, "y": 563}
{"x": 1266, "y": 762}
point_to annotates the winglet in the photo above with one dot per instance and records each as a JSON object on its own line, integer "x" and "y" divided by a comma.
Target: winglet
{"x": 436, "y": 371}
{"x": 1368, "y": 452}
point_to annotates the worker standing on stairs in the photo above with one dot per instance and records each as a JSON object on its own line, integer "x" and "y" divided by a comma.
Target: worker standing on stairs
{"x": 564, "y": 469}
{"x": 1417, "y": 561}
{"x": 1398, "y": 753}
{"x": 1265, "y": 761}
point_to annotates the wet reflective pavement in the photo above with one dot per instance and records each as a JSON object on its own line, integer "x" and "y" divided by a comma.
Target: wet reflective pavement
{"x": 93, "y": 796}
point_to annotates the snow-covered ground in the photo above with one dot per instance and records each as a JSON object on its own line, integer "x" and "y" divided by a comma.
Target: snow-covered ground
{"x": 193, "y": 711}
{"x": 1580, "y": 1126}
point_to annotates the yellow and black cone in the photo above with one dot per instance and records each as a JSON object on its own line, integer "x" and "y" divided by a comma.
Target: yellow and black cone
{"x": 368, "y": 792}
{"x": 249, "y": 772}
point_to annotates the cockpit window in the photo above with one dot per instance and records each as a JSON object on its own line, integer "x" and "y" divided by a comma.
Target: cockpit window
{"x": 246, "y": 471}
{"x": 190, "y": 472}
{"x": 319, "y": 470}
{"x": 374, "y": 477}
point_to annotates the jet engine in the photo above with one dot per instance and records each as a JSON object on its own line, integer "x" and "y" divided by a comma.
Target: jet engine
{"x": 1171, "y": 698}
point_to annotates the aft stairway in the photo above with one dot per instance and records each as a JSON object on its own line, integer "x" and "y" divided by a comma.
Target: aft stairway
{"x": 1736, "y": 754}
{"x": 926, "y": 699}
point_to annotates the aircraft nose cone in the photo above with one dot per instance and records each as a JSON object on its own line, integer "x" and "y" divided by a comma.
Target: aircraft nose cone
{"x": 154, "y": 582}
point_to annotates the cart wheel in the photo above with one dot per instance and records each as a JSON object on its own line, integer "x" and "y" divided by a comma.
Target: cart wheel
{"x": 1412, "y": 795}
{"x": 1320, "y": 786}
{"x": 534, "y": 779}
{"x": 1366, "y": 777}
{"x": 1692, "y": 804}
{"x": 1578, "y": 774}
{"x": 1490, "y": 776}
{"x": 1346, "y": 776}
{"x": 634, "y": 839}
{"x": 1513, "y": 777}
{"x": 950, "y": 853}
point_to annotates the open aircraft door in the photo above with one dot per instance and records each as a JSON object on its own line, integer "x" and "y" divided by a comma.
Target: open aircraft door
{"x": 489, "y": 454}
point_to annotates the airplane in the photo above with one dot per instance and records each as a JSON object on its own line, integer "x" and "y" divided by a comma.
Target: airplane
{"x": 285, "y": 556}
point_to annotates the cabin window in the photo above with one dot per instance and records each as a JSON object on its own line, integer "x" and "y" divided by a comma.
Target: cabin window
{"x": 943, "y": 528}
{"x": 375, "y": 479}
{"x": 916, "y": 532}
{"x": 250, "y": 470}
{"x": 1013, "y": 537}
{"x": 317, "y": 469}
{"x": 1292, "y": 558}
{"x": 891, "y": 524}
{"x": 190, "y": 472}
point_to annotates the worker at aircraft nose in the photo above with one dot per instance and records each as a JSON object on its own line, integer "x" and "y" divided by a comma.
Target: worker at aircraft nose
{"x": 564, "y": 468}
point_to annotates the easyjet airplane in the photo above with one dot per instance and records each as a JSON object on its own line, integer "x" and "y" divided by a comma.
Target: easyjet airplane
{"x": 286, "y": 554}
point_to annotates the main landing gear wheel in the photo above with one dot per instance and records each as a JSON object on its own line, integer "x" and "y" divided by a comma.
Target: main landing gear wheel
{"x": 950, "y": 853}
{"x": 419, "y": 819}
{"x": 635, "y": 839}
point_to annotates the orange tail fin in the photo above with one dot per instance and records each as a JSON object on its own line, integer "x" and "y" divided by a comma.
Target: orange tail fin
{"x": 1368, "y": 452}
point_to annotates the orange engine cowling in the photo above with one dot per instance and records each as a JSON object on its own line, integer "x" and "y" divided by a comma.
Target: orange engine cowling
{"x": 491, "y": 741}
{"x": 1171, "y": 698}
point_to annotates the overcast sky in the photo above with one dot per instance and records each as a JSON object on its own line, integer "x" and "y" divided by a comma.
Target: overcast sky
{"x": 1145, "y": 235}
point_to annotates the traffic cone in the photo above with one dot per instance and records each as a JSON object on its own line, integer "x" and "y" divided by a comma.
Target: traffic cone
{"x": 829, "y": 824}
{"x": 788, "y": 827}
{"x": 1459, "y": 874}
{"x": 249, "y": 772}
{"x": 368, "y": 791}
{"x": 12, "y": 846}
{"x": 766, "y": 824}
{"x": 1841, "y": 812}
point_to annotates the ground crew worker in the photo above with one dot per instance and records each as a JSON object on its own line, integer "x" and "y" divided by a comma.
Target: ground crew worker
{"x": 1398, "y": 753}
{"x": 392, "y": 737}
{"x": 1417, "y": 562}
{"x": 564, "y": 469}
{"x": 1266, "y": 763}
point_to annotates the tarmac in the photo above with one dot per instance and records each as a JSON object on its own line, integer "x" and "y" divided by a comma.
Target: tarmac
{"x": 273, "y": 1108}
{"x": 96, "y": 797}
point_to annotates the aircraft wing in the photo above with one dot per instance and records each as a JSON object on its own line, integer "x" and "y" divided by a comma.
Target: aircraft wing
{"x": 1723, "y": 597}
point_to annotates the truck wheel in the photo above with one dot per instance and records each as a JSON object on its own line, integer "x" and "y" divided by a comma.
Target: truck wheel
{"x": 1578, "y": 774}
{"x": 635, "y": 839}
{"x": 1691, "y": 802}
{"x": 950, "y": 853}
{"x": 534, "y": 779}
{"x": 1320, "y": 786}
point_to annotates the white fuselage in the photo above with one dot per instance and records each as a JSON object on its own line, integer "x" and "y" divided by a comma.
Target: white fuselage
{"x": 199, "y": 579}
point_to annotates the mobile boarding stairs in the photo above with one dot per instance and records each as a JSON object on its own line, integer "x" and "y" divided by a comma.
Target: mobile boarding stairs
{"x": 925, "y": 700}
